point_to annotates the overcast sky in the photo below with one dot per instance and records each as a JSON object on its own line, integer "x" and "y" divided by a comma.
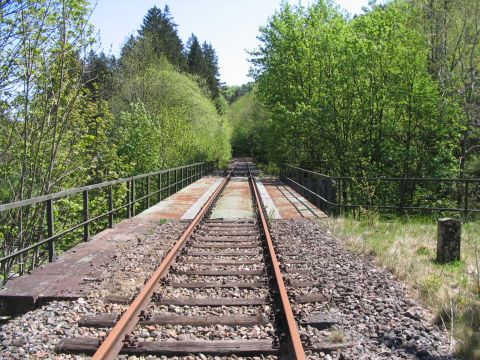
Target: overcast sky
{"x": 231, "y": 26}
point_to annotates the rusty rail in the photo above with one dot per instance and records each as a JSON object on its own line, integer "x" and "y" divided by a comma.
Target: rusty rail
{"x": 118, "y": 336}
{"x": 294, "y": 335}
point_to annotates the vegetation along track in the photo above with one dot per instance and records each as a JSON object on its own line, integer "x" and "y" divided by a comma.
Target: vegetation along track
{"x": 216, "y": 263}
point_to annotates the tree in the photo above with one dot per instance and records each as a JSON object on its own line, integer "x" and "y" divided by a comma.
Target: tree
{"x": 197, "y": 63}
{"x": 452, "y": 31}
{"x": 251, "y": 135}
{"x": 98, "y": 74}
{"x": 354, "y": 93}
{"x": 213, "y": 72}
{"x": 42, "y": 97}
{"x": 166, "y": 114}
{"x": 159, "y": 27}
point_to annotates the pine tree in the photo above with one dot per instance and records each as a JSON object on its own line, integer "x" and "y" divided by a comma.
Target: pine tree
{"x": 212, "y": 75}
{"x": 128, "y": 47}
{"x": 159, "y": 27}
{"x": 98, "y": 74}
{"x": 197, "y": 64}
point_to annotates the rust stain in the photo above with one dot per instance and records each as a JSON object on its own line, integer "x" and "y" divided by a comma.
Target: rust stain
{"x": 176, "y": 205}
{"x": 289, "y": 203}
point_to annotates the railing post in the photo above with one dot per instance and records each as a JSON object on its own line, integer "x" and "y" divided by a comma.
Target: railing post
{"x": 340, "y": 196}
{"x": 148, "y": 192}
{"x": 50, "y": 231}
{"x": 86, "y": 217}
{"x": 128, "y": 200}
{"x": 110, "y": 206}
{"x": 132, "y": 209}
{"x": 159, "y": 186}
{"x": 169, "y": 182}
{"x": 176, "y": 180}
{"x": 466, "y": 196}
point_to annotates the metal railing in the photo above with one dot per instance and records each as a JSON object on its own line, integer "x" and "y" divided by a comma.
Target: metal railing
{"x": 334, "y": 194}
{"x": 152, "y": 186}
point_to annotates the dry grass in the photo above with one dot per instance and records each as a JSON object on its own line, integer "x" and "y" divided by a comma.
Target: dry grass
{"x": 337, "y": 336}
{"x": 407, "y": 248}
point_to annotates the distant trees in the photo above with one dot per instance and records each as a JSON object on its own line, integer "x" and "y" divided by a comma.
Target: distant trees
{"x": 250, "y": 121}
{"x": 452, "y": 31}
{"x": 197, "y": 63}
{"x": 233, "y": 92}
{"x": 203, "y": 61}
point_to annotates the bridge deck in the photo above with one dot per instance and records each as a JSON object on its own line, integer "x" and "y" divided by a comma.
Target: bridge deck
{"x": 71, "y": 275}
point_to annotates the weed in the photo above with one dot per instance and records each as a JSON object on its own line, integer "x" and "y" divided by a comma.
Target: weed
{"x": 271, "y": 214}
{"x": 430, "y": 284}
{"x": 423, "y": 251}
{"x": 337, "y": 336}
{"x": 163, "y": 221}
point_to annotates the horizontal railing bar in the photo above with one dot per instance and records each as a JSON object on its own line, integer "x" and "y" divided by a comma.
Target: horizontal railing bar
{"x": 470, "y": 180}
{"x": 73, "y": 191}
{"x": 391, "y": 207}
{"x": 313, "y": 193}
{"x": 98, "y": 217}
{"x": 166, "y": 188}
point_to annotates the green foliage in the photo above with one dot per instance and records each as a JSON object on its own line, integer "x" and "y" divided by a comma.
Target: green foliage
{"x": 356, "y": 94}
{"x": 451, "y": 31}
{"x": 203, "y": 62}
{"x": 164, "y": 117}
{"x": 250, "y": 127}
{"x": 232, "y": 93}
{"x": 212, "y": 70}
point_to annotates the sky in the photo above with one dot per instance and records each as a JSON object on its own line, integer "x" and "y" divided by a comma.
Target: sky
{"x": 231, "y": 26}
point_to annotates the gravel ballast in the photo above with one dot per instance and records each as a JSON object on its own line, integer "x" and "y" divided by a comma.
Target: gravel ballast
{"x": 35, "y": 334}
{"x": 373, "y": 312}
{"x": 374, "y": 316}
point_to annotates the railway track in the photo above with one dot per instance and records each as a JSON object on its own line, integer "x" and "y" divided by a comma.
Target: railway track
{"x": 215, "y": 264}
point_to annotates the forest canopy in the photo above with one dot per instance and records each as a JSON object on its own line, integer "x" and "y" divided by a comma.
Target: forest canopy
{"x": 390, "y": 92}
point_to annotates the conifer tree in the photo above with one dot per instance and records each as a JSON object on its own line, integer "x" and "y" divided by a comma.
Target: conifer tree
{"x": 197, "y": 64}
{"x": 212, "y": 75}
{"x": 160, "y": 29}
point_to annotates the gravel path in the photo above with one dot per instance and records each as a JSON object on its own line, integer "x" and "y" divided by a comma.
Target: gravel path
{"x": 373, "y": 310}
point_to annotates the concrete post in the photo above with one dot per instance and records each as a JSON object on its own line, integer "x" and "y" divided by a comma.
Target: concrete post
{"x": 448, "y": 240}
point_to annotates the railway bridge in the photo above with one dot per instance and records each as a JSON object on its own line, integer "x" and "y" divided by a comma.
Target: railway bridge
{"x": 231, "y": 265}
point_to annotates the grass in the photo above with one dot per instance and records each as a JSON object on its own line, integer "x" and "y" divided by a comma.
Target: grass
{"x": 337, "y": 336}
{"x": 407, "y": 247}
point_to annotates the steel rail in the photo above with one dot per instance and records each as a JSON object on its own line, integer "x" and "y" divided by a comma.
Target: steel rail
{"x": 114, "y": 342}
{"x": 294, "y": 335}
